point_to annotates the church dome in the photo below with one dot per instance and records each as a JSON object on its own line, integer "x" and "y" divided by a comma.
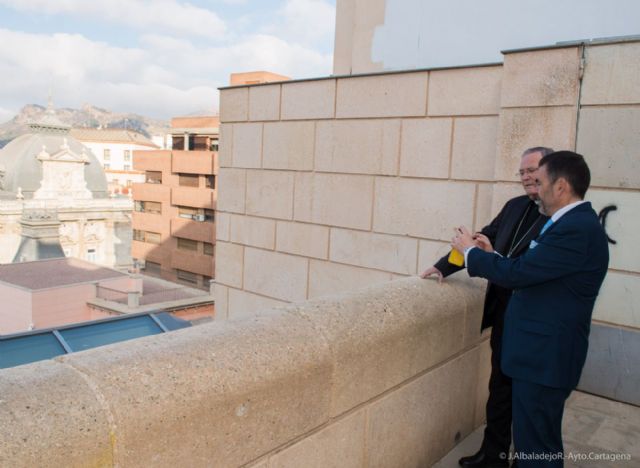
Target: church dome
{"x": 20, "y": 167}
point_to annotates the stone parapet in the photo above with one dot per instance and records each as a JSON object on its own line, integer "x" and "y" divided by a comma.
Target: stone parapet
{"x": 385, "y": 376}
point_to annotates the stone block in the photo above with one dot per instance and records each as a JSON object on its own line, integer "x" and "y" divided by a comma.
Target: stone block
{"x": 225, "y": 145}
{"x": 622, "y": 225}
{"x": 289, "y": 145}
{"x": 426, "y": 148}
{"x": 395, "y": 95}
{"x": 270, "y": 194}
{"x": 618, "y": 299}
{"x": 370, "y": 250}
{"x": 264, "y": 102}
{"x": 474, "y": 148}
{"x": 247, "y": 145}
{"x": 384, "y": 335}
{"x": 419, "y": 423}
{"x": 502, "y": 193}
{"x": 484, "y": 197}
{"x": 611, "y": 74}
{"x": 334, "y": 199}
{"x": 231, "y": 190}
{"x": 358, "y": 146}
{"x": 465, "y": 91}
{"x": 61, "y": 396}
{"x": 422, "y": 208}
{"x": 609, "y": 139}
{"x": 229, "y": 264}
{"x": 256, "y": 232}
{"x": 308, "y": 240}
{"x": 234, "y": 105}
{"x": 429, "y": 252}
{"x": 519, "y": 129}
{"x": 328, "y": 278}
{"x": 221, "y": 295}
{"x": 308, "y": 100}
{"x": 276, "y": 275}
{"x": 223, "y": 226}
{"x": 340, "y": 445}
{"x": 243, "y": 304}
{"x": 206, "y": 394}
{"x": 484, "y": 372}
{"x": 548, "y": 77}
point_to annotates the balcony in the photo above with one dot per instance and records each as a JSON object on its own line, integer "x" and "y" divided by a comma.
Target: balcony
{"x": 194, "y": 262}
{"x": 195, "y": 230}
{"x": 394, "y": 374}
{"x": 192, "y": 197}
{"x": 193, "y": 162}
{"x": 151, "y": 192}
{"x": 152, "y": 160}
{"x": 150, "y": 222}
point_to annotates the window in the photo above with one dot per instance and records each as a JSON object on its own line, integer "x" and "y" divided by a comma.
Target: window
{"x": 106, "y": 154}
{"x": 214, "y": 145}
{"x": 187, "y": 213}
{"x": 127, "y": 167}
{"x": 151, "y": 267}
{"x": 187, "y": 244}
{"x": 196, "y": 214}
{"x": 208, "y": 248}
{"x": 153, "y": 177}
{"x": 188, "y": 180}
{"x": 107, "y": 166}
{"x": 187, "y": 276}
{"x": 177, "y": 142}
{"x": 115, "y": 182}
{"x": 210, "y": 181}
{"x": 200, "y": 143}
{"x": 148, "y": 207}
{"x": 146, "y": 236}
{"x": 91, "y": 255}
{"x": 127, "y": 155}
{"x": 129, "y": 183}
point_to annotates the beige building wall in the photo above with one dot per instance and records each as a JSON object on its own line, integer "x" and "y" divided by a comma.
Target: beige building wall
{"x": 333, "y": 184}
{"x": 16, "y": 313}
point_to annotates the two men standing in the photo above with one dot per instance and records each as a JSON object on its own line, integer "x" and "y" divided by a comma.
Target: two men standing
{"x": 539, "y": 350}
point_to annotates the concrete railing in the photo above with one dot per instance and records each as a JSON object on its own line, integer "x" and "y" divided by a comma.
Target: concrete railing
{"x": 393, "y": 375}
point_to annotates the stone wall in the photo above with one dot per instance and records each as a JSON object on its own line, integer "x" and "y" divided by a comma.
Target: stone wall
{"x": 389, "y": 376}
{"x": 331, "y": 184}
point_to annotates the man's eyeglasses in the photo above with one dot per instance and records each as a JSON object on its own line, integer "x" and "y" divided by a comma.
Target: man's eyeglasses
{"x": 528, "y": 170}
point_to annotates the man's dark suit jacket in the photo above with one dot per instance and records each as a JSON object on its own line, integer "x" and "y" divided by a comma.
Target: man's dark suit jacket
{"x": 500, "y": 232}
{"x": 555, "y": 286}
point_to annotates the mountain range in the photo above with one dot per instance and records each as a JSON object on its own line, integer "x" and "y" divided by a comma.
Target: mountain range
{"x": 87, "y": 117}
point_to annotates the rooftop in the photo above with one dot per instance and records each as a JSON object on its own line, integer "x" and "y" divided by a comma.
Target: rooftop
{"x": 54, "y": 272}
{"x": 113, "y": 135}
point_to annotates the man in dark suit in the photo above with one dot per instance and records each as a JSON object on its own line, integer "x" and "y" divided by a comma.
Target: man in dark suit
{"x": 555, "y": 284}
{"x": 510, "y": 232}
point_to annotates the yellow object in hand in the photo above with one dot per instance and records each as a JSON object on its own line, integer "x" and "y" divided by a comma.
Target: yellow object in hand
{"x": 456, "y": 258}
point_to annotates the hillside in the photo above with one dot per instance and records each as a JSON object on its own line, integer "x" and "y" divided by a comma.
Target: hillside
{"x": 88, "y": 116}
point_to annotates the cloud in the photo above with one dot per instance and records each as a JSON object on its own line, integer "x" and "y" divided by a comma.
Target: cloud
{"x": 308, "y": 22}
{"x": 161, "y": 77}
{"x": 169, "y": 15}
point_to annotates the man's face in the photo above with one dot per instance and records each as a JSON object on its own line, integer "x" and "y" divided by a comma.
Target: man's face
{"x": 546, "y": 192}
{"x": 528, "y": 171}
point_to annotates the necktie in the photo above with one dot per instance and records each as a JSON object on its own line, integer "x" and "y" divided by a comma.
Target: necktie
{"x": 533, "y": 243}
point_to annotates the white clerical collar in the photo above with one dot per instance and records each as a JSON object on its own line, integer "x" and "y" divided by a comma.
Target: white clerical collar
{"x": 562, "y": 211}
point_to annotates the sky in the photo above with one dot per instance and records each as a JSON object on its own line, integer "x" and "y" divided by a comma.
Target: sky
{"x": 159, "y": 58}
{"x": 164, "y": 58}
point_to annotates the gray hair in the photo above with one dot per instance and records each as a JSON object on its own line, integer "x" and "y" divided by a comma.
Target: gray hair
{"x": 538, "y": 149}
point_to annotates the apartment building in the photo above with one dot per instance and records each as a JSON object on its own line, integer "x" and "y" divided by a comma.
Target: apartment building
{"x": 174, "y": 208}
{"x": 114, "y": 147}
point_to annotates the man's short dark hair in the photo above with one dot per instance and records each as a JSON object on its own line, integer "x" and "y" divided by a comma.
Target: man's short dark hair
{"x": 538, "y": 149}
{"x": 570, "y": 166}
